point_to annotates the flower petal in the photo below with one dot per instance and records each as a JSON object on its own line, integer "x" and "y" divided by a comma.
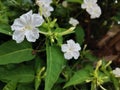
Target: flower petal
{"x": 26, "y": 18}
{"x": 32, "y": 35}
{"x": 96, "y": 12}
{"x": 37, "y": 20}
{"x": 83, "y": 6}
{"x": 18, "y": 36}
{"x": 68, "y": 55}
{"x": 71, "y": 42}
{"x": 94, "y": 1}
{"x": 77, "y": 47}
{"x": 17, "y": 25}
{"x": 46, "y": 10}
{"x": 75, "y": 54}
{"x": 116, "y": 72}
{"x": 64, "y": 48}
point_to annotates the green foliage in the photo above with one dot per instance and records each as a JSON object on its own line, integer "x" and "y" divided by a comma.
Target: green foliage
{"x": 75, "y": 1}
{"x": 88, "y": 55}
{"x": 5, "y": 29}
{"x": 80, "y": 76}
{"x": 41, "y": 65}
{"x": 79, "y": 35}
{"x": 117, "y": 17}
{"x": 10, "y": 85}
{"x": 11, "y": 52}
{"x": 25, "y": 87}
{"x": 21, "y": 74}
{"x": 39, "y": 72}
{"x": 55, "y": 64}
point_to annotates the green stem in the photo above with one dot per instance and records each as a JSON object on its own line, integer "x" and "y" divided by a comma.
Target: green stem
{"x": 76, "y": 88}
{"x": 42, "y": 50}
{"x": 93, "y": 85}
{"x": 44, "y": 33}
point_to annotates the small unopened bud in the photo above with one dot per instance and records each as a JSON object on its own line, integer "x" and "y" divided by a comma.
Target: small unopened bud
{"x": 69, "y": 31}
{"x": 99, "y": 63}
{"x": 65, "y": 4}
{"x": 52, "y": 24}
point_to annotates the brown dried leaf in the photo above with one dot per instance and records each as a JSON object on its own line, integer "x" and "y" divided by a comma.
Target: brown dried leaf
{"x": 117, "y": 46}
{"x": 110, "y": 34}
{"x": 114, "y": 40}
{"x": 111, "y": 57}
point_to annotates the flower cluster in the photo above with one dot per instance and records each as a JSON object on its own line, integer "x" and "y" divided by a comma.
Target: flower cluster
{"x": 92, "y": 8}
{"x": 45, "y": 8}
{"x": 71, "y": 49}
{"x": 116, "y": 72}
{"x": 27, "y": 25}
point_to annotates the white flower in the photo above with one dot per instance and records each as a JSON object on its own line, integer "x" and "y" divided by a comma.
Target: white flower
{"x": 45, "y": 8}
{"x": 92, "y": 8}
{"x": 95, "y": 12}
{"x": 73, "y": 21}
{"x": 71, "y": 50}
{"x": 46, "y": 11}
{"x": 43, "y": 2}
{"x": 26, "y": 26}
{"x": 88, "y": 4}
{"x": 116, "y": 72}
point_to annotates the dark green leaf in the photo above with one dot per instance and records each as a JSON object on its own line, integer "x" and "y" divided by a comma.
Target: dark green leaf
{"x": 90, "y": 56}
{"x": 55, "y": 63}
{"x": 25, "y": 87}
{"x": 10, "y": 86}
{"x": 80, "y": 77}
{"x": 117, "y": 17}
{"x": 79, "y": 34}
{"x": 59, "y": 40}
{"x": 22, "y": 74}
{"x": 5, "y": 29}
{"x": 11, "y": 52}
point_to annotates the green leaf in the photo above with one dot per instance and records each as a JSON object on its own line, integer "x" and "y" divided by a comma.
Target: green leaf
{"x": 79, "y": 34}
{"x": 80, "y": 77}
{"x": 21, "y": 74}
{"x": 5, "y": 29}
{"x": 116, "y": 17}
{"x": 75, "y": 1}
{"x": 55, "y": 63}
{"x": 59, "y": 40}
{"x": 59, "y": 30}
{"x": 11, "y": 52}
{"x": 25, "y": 87}
{"x": 10, "y": 86}
{"x": 90, "y": 56}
